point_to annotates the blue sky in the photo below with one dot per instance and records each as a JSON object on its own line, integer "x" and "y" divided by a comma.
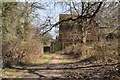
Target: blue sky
{"x": 50, "y": 11}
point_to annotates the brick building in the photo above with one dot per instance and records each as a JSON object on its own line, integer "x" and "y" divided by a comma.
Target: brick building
{"x": 70, "y": 31}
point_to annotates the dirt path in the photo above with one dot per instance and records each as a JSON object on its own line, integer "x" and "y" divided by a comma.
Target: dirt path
{"x": 49, "y": 70}
{"x": 43, "y": 67}
{"x": 54, "y": 66}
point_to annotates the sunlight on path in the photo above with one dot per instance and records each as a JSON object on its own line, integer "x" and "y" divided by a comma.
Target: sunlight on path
{"x": 40, "y": 66}
{"x": 52, "y": 66}
{"x": 60, "y": 59}
{"x": 56, "y": 61}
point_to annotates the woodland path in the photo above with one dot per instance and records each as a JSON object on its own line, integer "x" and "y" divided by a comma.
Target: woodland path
{"x": 60, "y": 67}
{"x": 49, "y": 66}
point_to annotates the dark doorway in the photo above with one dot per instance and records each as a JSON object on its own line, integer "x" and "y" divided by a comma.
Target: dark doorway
{"x": 46, "y": 49}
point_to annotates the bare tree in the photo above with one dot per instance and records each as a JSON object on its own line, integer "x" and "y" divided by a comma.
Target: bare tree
{"x": 85, "y": 11}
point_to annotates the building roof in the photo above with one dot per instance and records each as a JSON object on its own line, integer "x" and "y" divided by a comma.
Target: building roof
{"x": 66, "y": 16}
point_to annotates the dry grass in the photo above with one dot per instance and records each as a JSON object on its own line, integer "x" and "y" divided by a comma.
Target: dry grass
{"x": 21, "y": 51}
{"x": 97, "y": 53}
{"x": 104, "y": 51}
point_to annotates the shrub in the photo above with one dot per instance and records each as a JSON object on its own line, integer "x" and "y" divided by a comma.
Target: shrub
{"x": 104, "y": 51}
{"x": 21, "y": 51}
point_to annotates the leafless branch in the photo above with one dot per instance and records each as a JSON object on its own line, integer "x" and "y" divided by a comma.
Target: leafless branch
{"x": 78, "y": 18}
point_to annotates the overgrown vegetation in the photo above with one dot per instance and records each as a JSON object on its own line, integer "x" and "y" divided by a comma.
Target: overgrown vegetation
{"x": 89, "y": 55}
{"x": 20, "y": 39}
{"x": 105, "y": 51}
{"x": 94, "y": 59}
